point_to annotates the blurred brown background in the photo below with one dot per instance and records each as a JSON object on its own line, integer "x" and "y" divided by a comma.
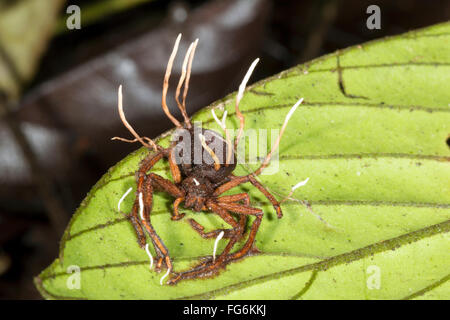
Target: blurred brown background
{"x": 58, "y": 90}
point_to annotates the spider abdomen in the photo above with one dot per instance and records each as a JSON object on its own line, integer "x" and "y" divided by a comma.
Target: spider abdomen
{"x": 215, "y": 162}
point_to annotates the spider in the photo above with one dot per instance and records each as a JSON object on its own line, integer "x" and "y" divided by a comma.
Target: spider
{"x": 198, "y": 185}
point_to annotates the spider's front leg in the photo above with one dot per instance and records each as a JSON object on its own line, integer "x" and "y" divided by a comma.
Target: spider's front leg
{"x": 140, "y": 215}
{"x": 212, "y": 266}
{"x": 152, "y": 181}
{"x": 236, "y": 181}
{"x": 228, "y": 233}
{"x": 145, "y": 166}
{"x": 223, "y": 207}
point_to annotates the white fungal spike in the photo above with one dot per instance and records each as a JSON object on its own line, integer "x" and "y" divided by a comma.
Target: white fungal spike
{"x": 289, "y": 115}
{"x": 210, "y": 151}
{"x": 219, "y": 237}
{"x": 141, "y": 206}
{"x": 238, "y": 100}
{"x": 164, "y": 276}
{"x": 149, "y": 255}
{"x": 277, "y": 142}
{"x": 123, "y": 198}
{"x": 196, "y": 182}
{"x": 300, "y": 184}
{"x": 245, "y": 80}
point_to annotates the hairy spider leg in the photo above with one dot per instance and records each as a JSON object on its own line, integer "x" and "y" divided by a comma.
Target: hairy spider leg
{"x": 228, "y": 233}
{"x": 145, "y": 187}
{"x": 235, "y": 234}
{"x": 236, "y": 181}
{"x": 146, "y": 165}
{"x": 174, "y": 170}
{"x": 207, "y": 268}
{"x": 153, "y": 181}
{"x": 211, "y": 267}
{"x": 247, "y": 210}
{"x": 176, "y": 211}
{"x": 235, "y": 198}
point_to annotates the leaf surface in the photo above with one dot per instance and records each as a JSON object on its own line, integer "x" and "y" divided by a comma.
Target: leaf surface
{"x": 371, "y": 136}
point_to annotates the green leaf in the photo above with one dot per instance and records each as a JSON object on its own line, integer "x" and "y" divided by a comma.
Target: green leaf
{"x": 371, "y": 136}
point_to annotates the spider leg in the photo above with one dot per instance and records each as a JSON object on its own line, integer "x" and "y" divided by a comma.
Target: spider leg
{"x": 235, "y": 181}
{"x": 211, "y": 267}
{"x": 228, "y": 233}
{"x": 138, "y": 228}
{"x": 174, "y": 170}
{"x": 145, "y": 165}
{"x": 251, "y": 238}
{"x": 145, "y": 185}
{"x": 150, "y": 182}
{"x": 230, "y": 203}
{"x": 244, "y": 211}
{"x": 267, "y": 194}
{"x": 145, "y": 191}
{"x": 235, "y": 198}
{"x": 176, "y": 213}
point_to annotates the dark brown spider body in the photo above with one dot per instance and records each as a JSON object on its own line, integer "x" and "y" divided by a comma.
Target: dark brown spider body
{"x": 194, "y": 160}
{"x": 201, "y": 163}
{"x": 200, "y": 174}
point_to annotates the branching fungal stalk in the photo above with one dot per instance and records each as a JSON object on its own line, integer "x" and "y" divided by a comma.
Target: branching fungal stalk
{"x": 130, "y": 128}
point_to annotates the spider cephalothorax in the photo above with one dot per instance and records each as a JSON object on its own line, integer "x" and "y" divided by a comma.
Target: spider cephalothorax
{"x": 200, "y": 155}
{"x": 201, "y": 162}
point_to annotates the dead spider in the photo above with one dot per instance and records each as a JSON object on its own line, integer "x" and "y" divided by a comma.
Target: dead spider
{"x": 198, "y": 185}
